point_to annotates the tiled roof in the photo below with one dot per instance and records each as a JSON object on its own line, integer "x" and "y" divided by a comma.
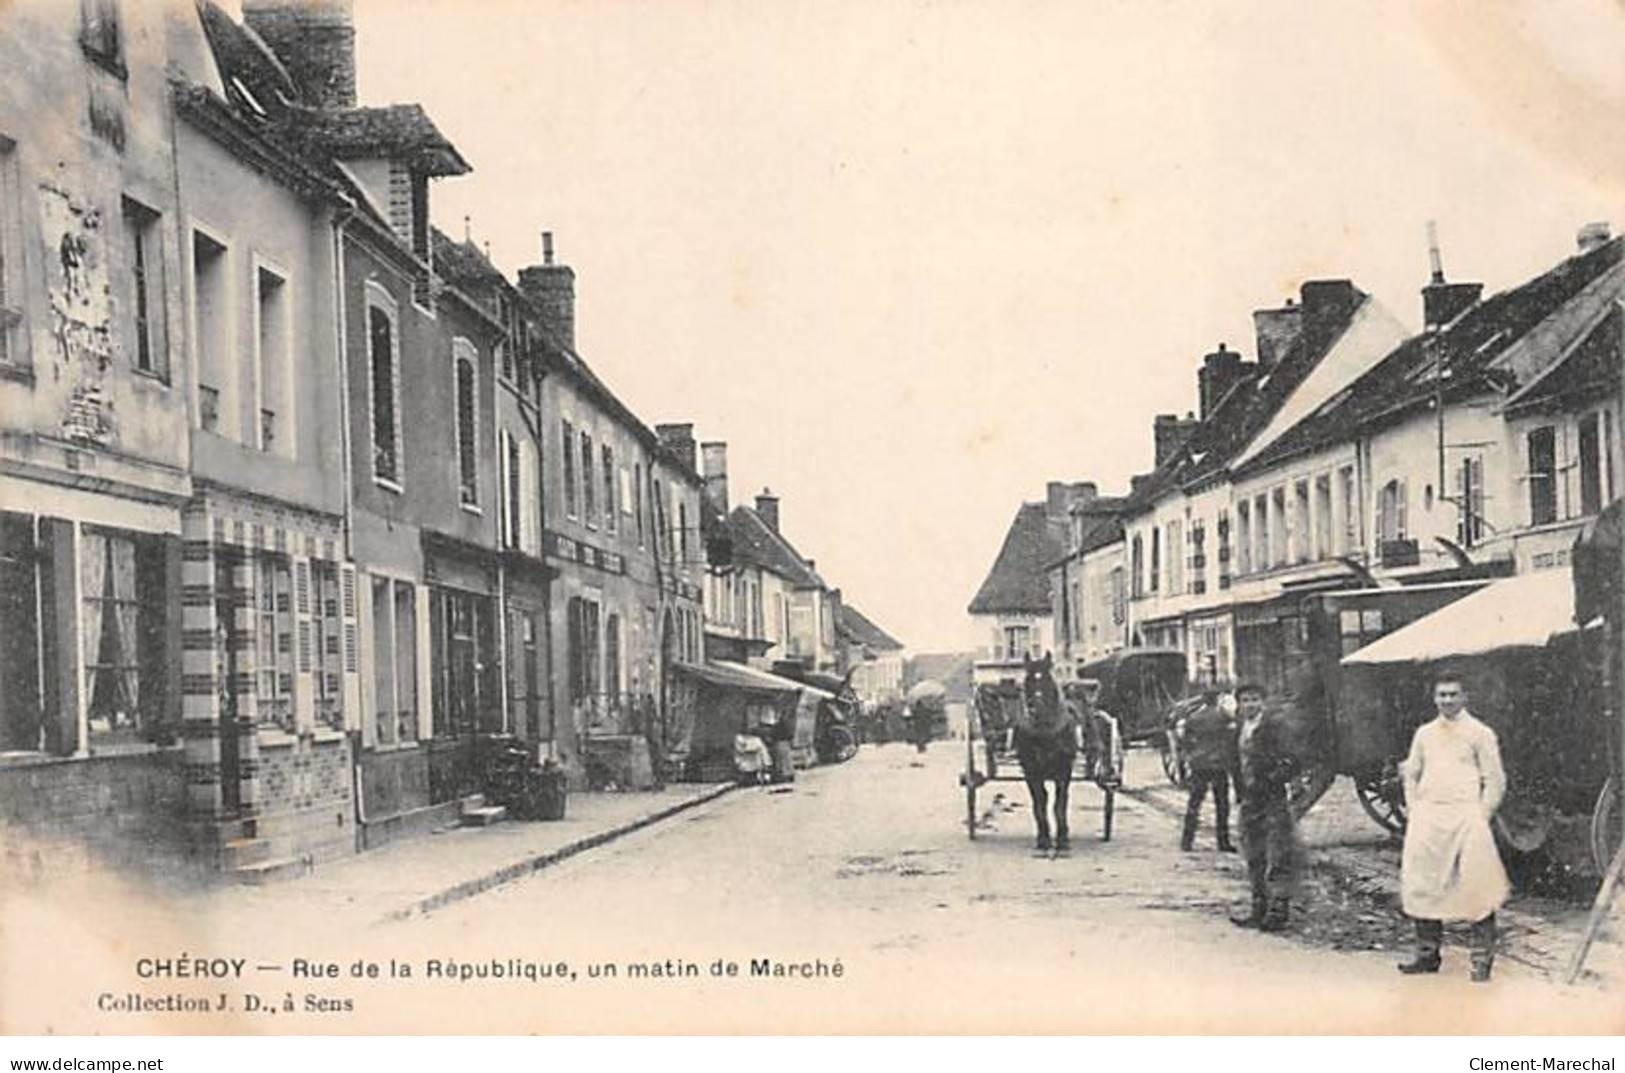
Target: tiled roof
{"x": 393, "y": 131}
{"x": 755, "y": 543}
{"x": 1019, "y": 580}
{"x": 1472, "y": 345}
{"x": 462, "y": 262}
{"x": 857, "y": 626}
{"x": 246, "y": 63}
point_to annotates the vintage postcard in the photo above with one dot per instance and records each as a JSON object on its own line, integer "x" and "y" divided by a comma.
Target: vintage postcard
{"x": 789, "y": 518}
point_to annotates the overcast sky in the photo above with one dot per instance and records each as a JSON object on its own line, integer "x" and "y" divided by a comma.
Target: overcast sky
{"x": 910, "y": 260}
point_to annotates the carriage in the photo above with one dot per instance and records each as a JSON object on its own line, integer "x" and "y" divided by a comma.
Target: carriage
{"x": 998, "y": 713}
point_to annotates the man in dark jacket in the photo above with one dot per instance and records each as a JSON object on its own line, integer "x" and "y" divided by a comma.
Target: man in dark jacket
{"x": 1209, "y": 740}
{"x": 1265, "y": 764}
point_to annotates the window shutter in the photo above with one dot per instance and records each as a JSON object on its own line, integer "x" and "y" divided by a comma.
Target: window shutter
{"x": 348, "y": 609}
{"x": 301, "y": 601}
{"x": 528, "y": 509}
{"x": 1400, "y": 529}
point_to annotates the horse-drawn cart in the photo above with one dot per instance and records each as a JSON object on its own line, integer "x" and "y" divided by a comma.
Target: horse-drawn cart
{"x": 1029, "y": 734}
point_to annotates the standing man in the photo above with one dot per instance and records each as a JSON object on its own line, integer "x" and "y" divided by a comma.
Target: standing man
{"x": 1450, "y": 870}
{"x": 1209, "y": 740}
{"x": 1265, "y": 765}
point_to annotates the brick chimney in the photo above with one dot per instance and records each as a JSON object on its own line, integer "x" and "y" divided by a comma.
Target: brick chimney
{"x": 1168, "y": 432}
{"x": 552, "y": 288}
{"x": 714, "y": 463}
{"x": 679, "y": 440}
{"x": 1327, "y": 302}
{"x": 1220, "y": 371}
{"x": 1276, "y": 330}
{"x": 767, "y": 507}
{"x": 1443, "y": 302}
{"x": 315, "y": 40}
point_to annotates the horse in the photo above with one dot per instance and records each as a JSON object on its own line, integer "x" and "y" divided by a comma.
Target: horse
{"x": 1046, "y": 745}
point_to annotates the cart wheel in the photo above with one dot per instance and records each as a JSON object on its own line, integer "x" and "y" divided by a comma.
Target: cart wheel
{"x": 1607, "y": 821}
{"x": 1383, "y": 799}
{"x": 1107, "y": 813}
{"x": 970, "y": 780}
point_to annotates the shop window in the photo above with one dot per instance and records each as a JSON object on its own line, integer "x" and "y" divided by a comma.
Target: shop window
{"x": 583, "y": 638}
{"x": 464, "y": 663}
{"x": 26, "y": 624}
{"x": 395, "y": 664}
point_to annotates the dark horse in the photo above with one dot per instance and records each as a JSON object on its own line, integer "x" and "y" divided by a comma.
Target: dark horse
{"x": 1046, "y": 745}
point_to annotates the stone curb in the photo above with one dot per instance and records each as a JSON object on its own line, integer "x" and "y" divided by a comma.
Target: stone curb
{"x": 517, "y": 870}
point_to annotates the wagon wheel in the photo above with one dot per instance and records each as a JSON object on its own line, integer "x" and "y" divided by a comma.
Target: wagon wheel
{"x": 1107, "y": 812}
{"x": 1607, "y": 822}
{"x": 970, "y": 778}
{"x": 1383, "y": 798}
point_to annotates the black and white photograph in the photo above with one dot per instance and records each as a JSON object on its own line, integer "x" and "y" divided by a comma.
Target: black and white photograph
{"x": 916, "y": 517}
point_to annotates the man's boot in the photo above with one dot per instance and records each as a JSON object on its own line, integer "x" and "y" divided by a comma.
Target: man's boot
{"x": 1278, "y": 916}
{"x": 1429, "y": 936}
{"x": 1254, "y": 919}
{"x": 1483, "y": 949}
{"x": 1225, "y": 845}
{"x": 1187, "y": 839}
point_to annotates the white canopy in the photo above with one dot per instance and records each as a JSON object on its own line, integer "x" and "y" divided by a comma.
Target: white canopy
{"x": 1521, "y": 611}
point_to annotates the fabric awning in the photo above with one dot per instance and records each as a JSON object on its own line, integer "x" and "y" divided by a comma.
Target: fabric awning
{"x": 1524, "y": 611}
{"x": 739, "y": 676}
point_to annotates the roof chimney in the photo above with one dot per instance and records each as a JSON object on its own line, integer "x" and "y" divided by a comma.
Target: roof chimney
{"x": 767, "y": 508}
{"x": 552, "y": 289}
{"x": 1220, "y": 371}
{"x": 1443, "y": 302}
{"x": 1168, "y": 433}
{"x": 1276, "y": 330}
{"x": 315, "y": 40}
{"x": 679, "y": 440}
{"x": 1593, "y": 235}
{"x": 714, "y": 463}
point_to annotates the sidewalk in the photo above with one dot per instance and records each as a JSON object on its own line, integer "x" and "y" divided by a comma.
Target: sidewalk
{"x": 415, "y": 876}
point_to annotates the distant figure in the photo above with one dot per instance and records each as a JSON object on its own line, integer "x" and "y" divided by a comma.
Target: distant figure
{"x": 1209, "y": 739}
{"x": 1450, "y": 870}
{"x": 1265, "y": 764}
{"x": 752, "y": 762}
{"x": 920, "y": 718}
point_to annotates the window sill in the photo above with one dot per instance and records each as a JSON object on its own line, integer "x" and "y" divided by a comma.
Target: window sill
{"x": 162, "y": 379}
{"x": 326, "y": 735}
{"x": 276, "y": 738}
{"x": 395, "y": 747}
{"x": 388, "y": 485}
{"x": 472, "y": 508}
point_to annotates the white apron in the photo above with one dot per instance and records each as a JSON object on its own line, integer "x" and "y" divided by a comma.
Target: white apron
{"x": 1450, "y": 869}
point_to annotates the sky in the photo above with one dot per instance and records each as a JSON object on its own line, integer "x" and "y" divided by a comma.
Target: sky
{"x": 912, "y": 259}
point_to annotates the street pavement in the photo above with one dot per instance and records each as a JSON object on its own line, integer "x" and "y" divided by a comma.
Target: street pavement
{"x": 857, "y": 893}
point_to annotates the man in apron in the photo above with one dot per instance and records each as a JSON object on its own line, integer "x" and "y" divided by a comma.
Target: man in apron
{"x": 1450, "y": 870}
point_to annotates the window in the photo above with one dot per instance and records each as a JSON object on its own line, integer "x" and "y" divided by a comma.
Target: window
{"x": 395, "y": 660}
{"x": 26, "y": 622}
{"x": 682, "y": 530}
{"x": 332, "y": 642}
{"x": 1156, "y": 557}
{"x": 582, "y": 622}
{"x": 1391, "y": 505}
{"x": 1076, "y": 617}
{"x": 1470, "y": 501}
{"x": 1017, "y": 641}
{"x": 589, "y": 509}
{"x": 145, "y": 298}
{"x": 1322, "y": 518}
{"x": 100, "y": 35}
{"x": 211, "y": 319}
{"x": 524, "y": 675}
{"x": 1244, "y": 537}
{"x": 1591, "y": 465}
{"x": 637, "y": 499}
{"x": 1302, "y": 531}
{"x": 12, "y": 340}
{"x": 609, "y": 488}
{"x": 1542, "y": 445}
{"x": 1119, "y": 602}
{"x": 1349, "y": 509}
{"x": 511, "y": 490}
{"x": 276, "y": 411}
{"x": 384, "y": 354}
{"x": 1261, "y": 533}
{"x": 122, "y": 611}
{"x": 1137, "y": 561}
{"x": 1278, "y": 547}
{"x": 465, "y": 663}
{"x": 273, "y": 640}
{"x": 1224, "y": 548}
{"x": 1198, "y": 557}
{"x": 568, "y": 454}
{"x": 612, "y": 654}
{"x": 468, "y": 463}
{"x": 1176, "y": 559}
{"x": 662, "y": 537}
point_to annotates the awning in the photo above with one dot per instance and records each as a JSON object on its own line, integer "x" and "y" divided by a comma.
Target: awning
{"x": 738, "y": 676}
{"x": 1524, "y": 611}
